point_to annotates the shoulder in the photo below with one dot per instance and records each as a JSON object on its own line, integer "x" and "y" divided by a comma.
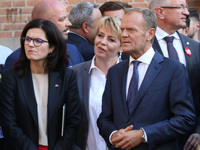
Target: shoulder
{"x": 81, "y": 66}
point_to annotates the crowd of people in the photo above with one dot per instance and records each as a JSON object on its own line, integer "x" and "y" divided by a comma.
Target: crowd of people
{"x": 99, "y": 78}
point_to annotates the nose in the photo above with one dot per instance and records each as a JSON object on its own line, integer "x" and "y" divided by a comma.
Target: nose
{"x": 103, "y": 41}
{"x": 185, "y": 11}
{"x": 31, "y": 43}
{"x": 124, "y": 33}
{"x": 68, "y": 23}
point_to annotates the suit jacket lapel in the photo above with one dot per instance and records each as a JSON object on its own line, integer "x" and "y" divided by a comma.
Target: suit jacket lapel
{"x": 26, "y": 84}
{"x": 86, "y": 86}
{"x": 124, "y": 80}
{"x": 156, "y": 46}
{"x": 55, "y": 86}
{"x": 152, "y": 72}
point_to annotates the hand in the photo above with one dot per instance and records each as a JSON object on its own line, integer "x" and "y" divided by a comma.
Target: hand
{"x": 192, "y": 142}
{"x": 127, "y": 138}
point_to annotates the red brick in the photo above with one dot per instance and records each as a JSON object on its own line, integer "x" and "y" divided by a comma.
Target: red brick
{"x": 31, "y": 2}
{"x": 100, "y": 1}
{"x": 139, "y": 0}
{"x": 3, "y": 12}
{"x": 19, "y": 18}
{"x": 11, "y": 11}
{"x": 5, "y": 34}
{"x": 17, "y": 34}
{"x": 5, "y": 19}
{"x": 27, "y": 10}
{"x": 0, "y": 27}
{"x": 5, "y": 4}
{"x": 9, "y": 27}
{"x": 74, "y": 1}
{"x": 18, "y": 3}
{"x": 140, "y": 5}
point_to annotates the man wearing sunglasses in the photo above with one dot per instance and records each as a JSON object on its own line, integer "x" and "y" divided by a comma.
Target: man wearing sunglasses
{"x": 171, "y": 16}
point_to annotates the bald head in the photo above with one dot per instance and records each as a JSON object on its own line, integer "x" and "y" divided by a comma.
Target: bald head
{"x": 54, "y": 11}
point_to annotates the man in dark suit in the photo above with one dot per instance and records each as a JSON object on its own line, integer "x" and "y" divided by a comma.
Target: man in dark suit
{"x": 84, "y": 18}
{"x": 56, "y": 12}
{"x": 162, "y": 109}
{"x": 171, "y": 16}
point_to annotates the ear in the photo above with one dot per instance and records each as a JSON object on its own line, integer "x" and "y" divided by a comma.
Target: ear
{"x": 120, "y": 50}
{"x": 197, "y": 26}
{"x": 85, "y": 27}
{"x": 151, "y": 33}
{"x": 187, "y": 30}
{"x": 159, "y": 13}
{"x": 51, "y": 49}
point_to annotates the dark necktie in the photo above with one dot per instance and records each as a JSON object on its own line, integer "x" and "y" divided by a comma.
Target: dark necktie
{"x": 133, "y": 87}
{"x": 171, "y": 50}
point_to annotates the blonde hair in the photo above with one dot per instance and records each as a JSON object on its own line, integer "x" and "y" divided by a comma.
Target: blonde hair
{"x": 111, "y": 23}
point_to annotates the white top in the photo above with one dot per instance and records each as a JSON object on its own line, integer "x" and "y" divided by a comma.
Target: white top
{"x": 160, "y": 34}
{"x": 97, "y": 85}
{"x": 40, "y": 84}
{"x": 4, "y": 53}
{"x": 145, "y": 60}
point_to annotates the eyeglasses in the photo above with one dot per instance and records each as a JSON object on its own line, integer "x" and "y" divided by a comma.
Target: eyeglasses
{"x": 183, "y": 7}
{"x": 37, "y": 41}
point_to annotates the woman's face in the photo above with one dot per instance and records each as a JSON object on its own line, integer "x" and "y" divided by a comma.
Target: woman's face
{"x": 36, "y": 45}
{"x": 107, "y": 44}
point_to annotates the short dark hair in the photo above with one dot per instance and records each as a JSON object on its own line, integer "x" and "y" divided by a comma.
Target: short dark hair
{"x": 107, "y": 6}
{"x": 193, "y": 13}
{"x": 57, "y": 60}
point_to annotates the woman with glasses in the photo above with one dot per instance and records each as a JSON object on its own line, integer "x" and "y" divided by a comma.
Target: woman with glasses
{"x": 39, "y": 101}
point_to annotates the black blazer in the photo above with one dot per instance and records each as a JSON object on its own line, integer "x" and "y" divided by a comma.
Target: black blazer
{"x": 18, "y": 109}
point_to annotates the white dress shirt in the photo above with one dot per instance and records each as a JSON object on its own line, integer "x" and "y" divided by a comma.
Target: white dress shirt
{"x": 4, "y": 53}
{"x": 97, "y": 85}
{"x": 160, "y": 34}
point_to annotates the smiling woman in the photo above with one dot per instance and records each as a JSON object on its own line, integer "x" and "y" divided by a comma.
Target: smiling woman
{"x": 34, "y": 92}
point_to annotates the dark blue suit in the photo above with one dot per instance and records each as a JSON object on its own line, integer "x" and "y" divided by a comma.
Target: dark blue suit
{"x": 85, "y": 48}
{"x": 75, "y": 57}
{"x": 163, "y": 107}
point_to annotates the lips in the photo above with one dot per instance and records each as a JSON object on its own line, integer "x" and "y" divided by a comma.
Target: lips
{"x": 100, "y": 48}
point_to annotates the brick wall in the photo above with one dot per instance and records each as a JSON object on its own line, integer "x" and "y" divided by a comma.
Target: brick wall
{"x": 14, "y": 14}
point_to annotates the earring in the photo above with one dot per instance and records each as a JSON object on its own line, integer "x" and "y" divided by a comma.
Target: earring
{"x": 50, "y": 52}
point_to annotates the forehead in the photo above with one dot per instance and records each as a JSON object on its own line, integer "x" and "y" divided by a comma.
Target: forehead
{"x": 132, "y": 19}
{"x": 177, "y": 2}
{"x": 58, "y": 12}
{"x": 36, "y": 32}
{"x": 115, "y": 13}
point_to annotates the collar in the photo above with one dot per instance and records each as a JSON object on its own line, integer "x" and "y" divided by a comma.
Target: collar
{"x": 146, "y": 57}
{"x": 160, "y": 34}
{"x": 78, "y": 35}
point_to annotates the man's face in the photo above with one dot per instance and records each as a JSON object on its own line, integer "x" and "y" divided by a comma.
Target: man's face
{"x": 59, "y": 17}
{"x": 92, "y": 30}
{"x": 192, "y": 27}
{"x": 175, "y": 18}
{"x": 134, "y": 36}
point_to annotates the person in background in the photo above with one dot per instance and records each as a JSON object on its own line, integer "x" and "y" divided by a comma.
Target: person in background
{"x": 4, "y": 53}
{"x": 56, "y": 12}
{"x": 91, "y": 76}
{"x": 171, "y": 16}
{"x": 84, "y": 18}
{"x": 185, "y": 30}
{"x": 194, "y": 24}
{"x": 147, "y": 102}
{"x": 34, "y": 93}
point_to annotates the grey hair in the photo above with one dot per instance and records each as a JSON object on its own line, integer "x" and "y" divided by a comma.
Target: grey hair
{"x": 80, "y": 13}
{"x": 153, "y": 4}
{"x": 150, "y": 20}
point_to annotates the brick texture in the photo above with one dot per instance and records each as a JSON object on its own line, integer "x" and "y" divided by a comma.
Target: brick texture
{"x": 14, "y": 14}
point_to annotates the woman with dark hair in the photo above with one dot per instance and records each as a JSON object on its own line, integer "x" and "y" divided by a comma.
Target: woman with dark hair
{"x": 39, "y": 101}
